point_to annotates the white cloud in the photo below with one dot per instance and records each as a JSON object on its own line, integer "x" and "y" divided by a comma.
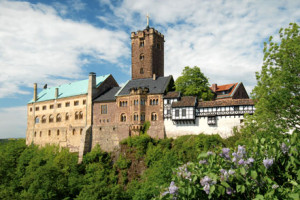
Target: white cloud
{"x": 224, "y": 38}
{"x": 13, "y": 122}
{"x": 36, "y": 45}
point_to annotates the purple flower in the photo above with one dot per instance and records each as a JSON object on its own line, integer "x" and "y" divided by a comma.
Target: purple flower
{"x": 284, "y": 148}
{"x": 250, "y": 160}
{"x": 268, "y": 162}
{"x": 203, "y": 162}
{"x": 231, "y": 172}
{"x": 165, "y": 193}
{"x": 241, "y": 162}
{"x": 222, "y": 171}
{"x": 173, "y": 189}
{"x": 225, "y": 153}
{"x": 229, "y": 191}
{"x": 205, "y": 181}
{"x": 209, "y": 153}
{"x": 241, "y": 151}
{"x": 206, "y": 188}
{"x": 234, "y": 159}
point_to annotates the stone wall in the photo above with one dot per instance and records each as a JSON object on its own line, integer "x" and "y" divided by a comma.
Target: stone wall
{"x": 67, "y": 132}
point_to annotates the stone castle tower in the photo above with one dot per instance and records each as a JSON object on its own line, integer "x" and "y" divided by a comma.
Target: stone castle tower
{"x": 147, "y": 54}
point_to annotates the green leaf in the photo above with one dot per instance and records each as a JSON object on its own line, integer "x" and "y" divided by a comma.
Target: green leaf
{"x": 294, "y": 196}
{"x": 225, "y": 184}
{"x": 259, "y": 197}
{"x": 253, "y": 174}
{"x": 243, "y": 171}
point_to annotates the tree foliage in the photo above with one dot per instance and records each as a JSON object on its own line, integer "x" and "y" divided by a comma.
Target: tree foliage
{"x": 192, "y": 82}
{"x": 278, "y": 84}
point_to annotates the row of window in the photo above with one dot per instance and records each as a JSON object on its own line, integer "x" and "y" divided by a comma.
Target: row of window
{"x": 51, "y": 106}
{"x": 136, "y": 117}
{"x": 227, "y": 108}
{"x": 142, "y": 44}
{"x": 58, "y": 118}
{"x": 57, "y": 132}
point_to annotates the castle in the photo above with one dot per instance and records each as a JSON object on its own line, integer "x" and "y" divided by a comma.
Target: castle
{"x": 85, "y": 113}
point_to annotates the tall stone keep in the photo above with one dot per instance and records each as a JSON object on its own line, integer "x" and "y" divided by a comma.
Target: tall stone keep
{"x": 147, "y": 54}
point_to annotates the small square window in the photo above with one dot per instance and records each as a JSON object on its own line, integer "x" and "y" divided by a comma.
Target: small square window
{"x": 44, "y": 107}
{"x": 51, "y": 106}
{"x": 59, "y": 105}
{"x": 37, "y": 108}
{"x": 67, "y": 104}
{"x": 76, "y": 103}
{"x": 83, "y": 102}
{"x": 30, "y": 109}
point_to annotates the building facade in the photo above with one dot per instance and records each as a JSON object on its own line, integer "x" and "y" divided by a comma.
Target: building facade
{"x": 83, "y": 114}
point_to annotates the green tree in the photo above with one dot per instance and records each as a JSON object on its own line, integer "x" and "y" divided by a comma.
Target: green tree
{"x": 278, "y": 84}
{"x": 193, "y": 82}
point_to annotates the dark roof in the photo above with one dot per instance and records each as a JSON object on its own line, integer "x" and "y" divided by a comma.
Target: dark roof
{"x": 231, "y": 102}
{"x": 172, "y": 95}
{"x": 157, "y": 86}
{"x": 187, "y": 101}
{"x": 108, "y": 95}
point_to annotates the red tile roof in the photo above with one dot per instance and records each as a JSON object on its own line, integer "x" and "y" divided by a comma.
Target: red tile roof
{"x": 226, "y": 87}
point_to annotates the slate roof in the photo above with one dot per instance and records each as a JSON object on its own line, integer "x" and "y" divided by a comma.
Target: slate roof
{"x": 172, "y": 95}
{"x": 68, "y": 90}
{"x": 109, "y": 95}
{"x": 231, "y": 102}
{"x": 187, "y": 101}
{"x": 157, "y": 86}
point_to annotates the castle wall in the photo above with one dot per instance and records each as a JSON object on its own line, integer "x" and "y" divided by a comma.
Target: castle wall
{"x": 224, "y": 126}
{"x": 66, "y": 132}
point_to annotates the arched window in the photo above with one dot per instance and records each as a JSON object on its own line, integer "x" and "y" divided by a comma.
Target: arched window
{"x": 57, "y": 132}
{"x": 151, "y": 102}
{"x": 50, "y": 118}
{"x": 153, "y": 117}
{"x": 123, "y": 117}
{"x": 141, "y": 71}
{"x": 74, "y": 131}
{"x": 80, "y": 115}
{"x": 58, "y": 118}
{"x": 142, "y": 57}
{"x": 40, "y": 133}
{"x": 81, "y": 131}
{"x": 67, "y": 117}
{"x": 156, "y": 102}
{"x": 76, "y": 115}
{"x": 34, "y": 134}
{"x": 49, "y": 132}
{"x": 136, "y": 117}
{"x": 44, "y": 119}
{"x": 143, "y": 117}
{"x": 37, "y": 120}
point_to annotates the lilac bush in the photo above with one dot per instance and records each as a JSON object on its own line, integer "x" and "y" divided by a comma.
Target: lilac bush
{"x": 261, "y": 171}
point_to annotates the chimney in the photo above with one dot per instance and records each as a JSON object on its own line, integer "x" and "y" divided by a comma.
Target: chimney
{"x": 56, "y": 93}
{"x": 92, "y": 79}
{"x": 154, "y": 77}
{"x": 34, "y": 91}
{"x": 214, "y": 87}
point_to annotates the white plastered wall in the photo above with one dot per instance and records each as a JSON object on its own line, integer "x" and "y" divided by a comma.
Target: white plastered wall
{"x": 224, "y": 126}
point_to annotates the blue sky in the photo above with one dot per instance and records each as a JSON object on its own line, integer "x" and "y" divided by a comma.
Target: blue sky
{"x": 60, "y": 41}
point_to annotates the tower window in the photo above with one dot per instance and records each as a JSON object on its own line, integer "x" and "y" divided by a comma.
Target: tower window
{"x": 142, "y": 57}
{"x": 123, "y": 117}
{"x": 142, "y": 43}
{"x": 158, "y": 45}
{"x": 141, "y": 71}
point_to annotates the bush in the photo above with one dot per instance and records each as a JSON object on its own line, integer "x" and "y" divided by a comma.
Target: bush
{"x": 267, "y": 170}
